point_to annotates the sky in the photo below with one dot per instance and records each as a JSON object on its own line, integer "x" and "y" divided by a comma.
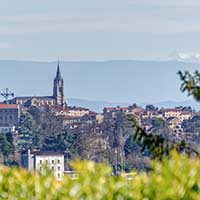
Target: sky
{"x": 45, "y": 30}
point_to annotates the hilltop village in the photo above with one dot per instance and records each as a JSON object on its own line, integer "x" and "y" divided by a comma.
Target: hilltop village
{"x": 43, "y": 129}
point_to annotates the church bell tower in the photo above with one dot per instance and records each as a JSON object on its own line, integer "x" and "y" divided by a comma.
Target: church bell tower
{"x": 58, "y": 88}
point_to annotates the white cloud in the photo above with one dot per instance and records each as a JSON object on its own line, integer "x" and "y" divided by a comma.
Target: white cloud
{"x": 186, "y": 56}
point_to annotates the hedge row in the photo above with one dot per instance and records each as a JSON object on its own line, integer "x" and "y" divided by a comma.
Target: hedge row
{"x": 175, "y": 178}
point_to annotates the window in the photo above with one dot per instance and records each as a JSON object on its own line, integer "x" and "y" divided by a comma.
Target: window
{"x": 40, "y": 161}
{"x": 52, "y": 168}
{"x": 46, "y": 161}
{"x": 58, "y": 161}
{"x": 58, "y": 168}
{"x": 58, "y": 175}
{"x": 52, "y": 161}
{"x": 40, "y": 168}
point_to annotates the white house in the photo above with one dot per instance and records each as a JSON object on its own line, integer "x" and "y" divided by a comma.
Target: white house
{"x": 40, "y": 159}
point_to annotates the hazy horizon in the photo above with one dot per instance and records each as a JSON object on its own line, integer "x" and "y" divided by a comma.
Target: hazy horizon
{"x": 113, "y": 81}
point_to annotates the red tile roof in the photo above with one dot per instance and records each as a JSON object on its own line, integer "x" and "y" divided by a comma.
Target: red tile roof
{"x": 186, "y": 113}
{"x": 8, "y": 106}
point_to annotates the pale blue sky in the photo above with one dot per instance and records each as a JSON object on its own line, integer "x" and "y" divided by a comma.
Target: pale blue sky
{"x": 98, "y": 29}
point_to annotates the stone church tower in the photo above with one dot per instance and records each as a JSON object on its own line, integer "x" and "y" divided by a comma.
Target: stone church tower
{"x": 58, "y": 88}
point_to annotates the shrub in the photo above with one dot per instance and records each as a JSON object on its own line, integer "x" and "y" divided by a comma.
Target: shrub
{"x": 174, "y": 178}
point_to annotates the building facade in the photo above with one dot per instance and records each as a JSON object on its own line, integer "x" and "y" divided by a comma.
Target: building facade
{"x": 40, "y": 160}
{"x": 73, "y": 112}
{"x": 9, "y": 117}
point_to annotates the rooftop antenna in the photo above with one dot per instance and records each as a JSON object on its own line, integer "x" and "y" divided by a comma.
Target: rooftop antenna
{"x": 6, "y": 93}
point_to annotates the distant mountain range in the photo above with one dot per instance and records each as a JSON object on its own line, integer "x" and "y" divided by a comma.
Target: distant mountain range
{"x": 96, "y": 106}
{"x": 171, "y": 104}
{"x": 99, "y": 105}
{"x": 128, "y": 81}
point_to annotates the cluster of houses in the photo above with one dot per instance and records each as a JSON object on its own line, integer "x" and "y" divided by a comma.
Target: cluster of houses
{"x": 173, "y": 117}
{"x": 73, "y": 117}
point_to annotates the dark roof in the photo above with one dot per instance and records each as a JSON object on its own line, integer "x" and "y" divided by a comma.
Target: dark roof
{"x": 171, "y": 118}
{"x": 48, "y": 153}
{"x": 77, "y": 108}
{"x": 37, "y": 97}
{"x": 44, "y": 97}
{"x": 23, "y": 98}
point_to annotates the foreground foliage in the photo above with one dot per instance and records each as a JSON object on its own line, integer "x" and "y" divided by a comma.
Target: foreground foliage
{"x": 174, "y": 178}
{"x": 160, "y": 146}
{"x": 190, "y": 83}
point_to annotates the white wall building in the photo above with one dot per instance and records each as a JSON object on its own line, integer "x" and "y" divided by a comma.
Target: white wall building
{"x": 39, "y": 160}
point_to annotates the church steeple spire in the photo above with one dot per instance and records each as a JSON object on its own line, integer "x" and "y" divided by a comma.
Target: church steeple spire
{"x": 58, "y": 74}
{"x": 58, "y": 89}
